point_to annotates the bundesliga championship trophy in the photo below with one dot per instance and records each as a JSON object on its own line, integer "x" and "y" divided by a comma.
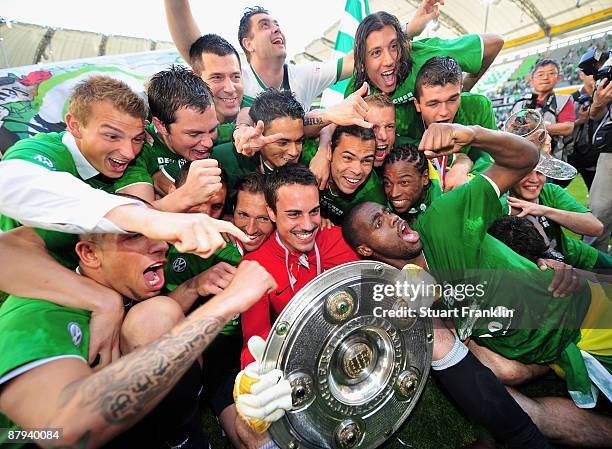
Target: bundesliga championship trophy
{"x": 355, "y": 355}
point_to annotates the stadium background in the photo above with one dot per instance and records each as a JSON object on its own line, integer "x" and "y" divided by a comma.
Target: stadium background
{"x": 35, "y": 61}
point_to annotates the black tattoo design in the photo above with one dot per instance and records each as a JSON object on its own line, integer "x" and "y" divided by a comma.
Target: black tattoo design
{"x": 124, "y": 389}
{"x": 313, "y": 121}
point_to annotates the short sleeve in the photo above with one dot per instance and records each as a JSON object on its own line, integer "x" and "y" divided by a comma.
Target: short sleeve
{"x": 556, "y": 197}
{"x": 309, "y": 80}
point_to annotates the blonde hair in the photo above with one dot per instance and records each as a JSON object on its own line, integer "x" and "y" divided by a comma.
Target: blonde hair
{"x": 379, "y": 100}
{"x": 99, "y": 88}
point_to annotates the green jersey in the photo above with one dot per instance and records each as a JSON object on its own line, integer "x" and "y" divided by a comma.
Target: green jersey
{"x": 32, "y": 330}
{"x": 149, "y": 161}
{"x": 578, "y": 254}
{"x": 50, "y": 151}
{"x": 334, "y": 205}
{"x": 467, "y": 50}
{"x": 529, "y": 324}
{"x": 182, "y": 267}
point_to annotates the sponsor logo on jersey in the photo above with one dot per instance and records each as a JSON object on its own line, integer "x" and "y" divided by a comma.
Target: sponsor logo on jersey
{"x": 179, "y": 264}
{"x": 44, "y": 160}
{"x": 75, "y": 333}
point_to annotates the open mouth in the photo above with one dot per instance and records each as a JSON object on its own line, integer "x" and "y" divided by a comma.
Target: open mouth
{"x": 154, "y": 276}
{"x": 200, "y": 154}
{"x": 278, "y": 41}
{"x": 388, "y": 77}
{"x": 405, "y": 233}
{"x": 352, "y": 182}
{"x": 381, "y": 151}
{"x": 117, "y": 165}
{"x": 400, "y": 204}
{"x": 305, "y": 236}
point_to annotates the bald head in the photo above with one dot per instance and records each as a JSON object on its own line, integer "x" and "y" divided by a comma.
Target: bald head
{"x": 373, "y": 231}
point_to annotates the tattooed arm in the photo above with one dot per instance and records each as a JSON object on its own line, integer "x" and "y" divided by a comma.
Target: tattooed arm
{"x": 91, "y": 408}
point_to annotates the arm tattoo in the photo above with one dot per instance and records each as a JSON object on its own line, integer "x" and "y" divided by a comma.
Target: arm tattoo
{"x": 133, "y": 385}
{"x": 313, "y": 121}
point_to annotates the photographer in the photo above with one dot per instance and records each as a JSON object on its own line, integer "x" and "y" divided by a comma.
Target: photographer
{"x": 600, "y": 201}
{"x": 584, "y": 155}
{"x": 557, "y": 109}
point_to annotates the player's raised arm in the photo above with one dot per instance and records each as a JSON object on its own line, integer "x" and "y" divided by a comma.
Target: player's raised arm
{"x": 182, "y": 25}
{"x": 514, "y": 156}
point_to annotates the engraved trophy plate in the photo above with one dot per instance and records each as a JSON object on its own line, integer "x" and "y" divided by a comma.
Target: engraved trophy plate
{"x": 356, "y": 371}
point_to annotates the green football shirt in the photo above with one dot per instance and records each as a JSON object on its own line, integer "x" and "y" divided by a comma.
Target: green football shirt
{"x": 333, "y": 206}
{"x": 182, "y": 267}
{"x": 541, "y": 326}
{"x": 467, "y": 50}
{"x": 50, "y": 152}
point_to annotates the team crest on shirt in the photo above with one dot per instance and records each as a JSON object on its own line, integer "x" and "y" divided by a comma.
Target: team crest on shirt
{"x": 75, "y": 333}
{"x": 44, "y": 160}
{"x": 179, "y": 265}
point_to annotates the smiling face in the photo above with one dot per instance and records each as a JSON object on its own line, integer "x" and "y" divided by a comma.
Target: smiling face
{"x": 297, "y": 216}
{"x": 530, "y": 186}
{"x": 251, "y": 216}
{"x": 404, "y": 185}
{"x": 438, "y": 104}
{"x": 287, "y": 149}
{"x": 192, "y": 134}
{"x": 223, "y": 76}
{"x": 382, "y": 56}
{"x": 384, "y": 235}
{"x": 130, "y": 264}
{"x": 544, "y": 79}
{"x": 352, "y": 162}
{"x": 383, "y": 119}
{"x": 110, "y": 140}
{"x": 267, "y": 40}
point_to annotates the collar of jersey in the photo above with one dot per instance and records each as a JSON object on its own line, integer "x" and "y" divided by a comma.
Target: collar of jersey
{"x": 84, "y": 168}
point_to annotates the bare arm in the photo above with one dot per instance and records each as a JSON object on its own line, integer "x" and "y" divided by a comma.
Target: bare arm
{"x": 560, "y": 129}
{"x": 584, "y": 223}
{"x": 491, "y": 46}
{"x": 514, "y": 156}
{"x": 93, "y": 408}
{"x": 427, "y": 11}
{"x": 182, "y": 25}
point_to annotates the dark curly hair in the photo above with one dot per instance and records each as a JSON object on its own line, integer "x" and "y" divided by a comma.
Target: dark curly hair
{"x": 408, "y": 153}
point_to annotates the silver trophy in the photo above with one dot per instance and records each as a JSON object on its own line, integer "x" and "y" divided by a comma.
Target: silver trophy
{"x": 357, "y": 360}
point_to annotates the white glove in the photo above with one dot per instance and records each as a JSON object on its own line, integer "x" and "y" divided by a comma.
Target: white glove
{"x": 261, "y": 398}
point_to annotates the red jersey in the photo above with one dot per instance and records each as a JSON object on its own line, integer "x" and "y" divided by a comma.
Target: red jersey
{"x": 330, "y": 250}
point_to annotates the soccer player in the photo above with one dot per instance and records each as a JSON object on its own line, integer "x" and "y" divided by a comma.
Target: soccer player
{"x": 206, "y": 277}
{"x": 352, "y": 178}
{"x": 544, "y": 329}
{"x": 282, "y": 118}
{"x": 381, "y": 113}
{"x": 388, "y": 62}
{"x": 297, "y": 252}
{"x": 408, "y": 187}
{"x": 57, "y": 182}
{"x": 184, "y": 128}
{"x": 438, "y": 99}
{"x": 47, "y": 382}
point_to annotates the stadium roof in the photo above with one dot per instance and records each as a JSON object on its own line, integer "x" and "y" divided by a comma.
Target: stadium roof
{"x": 520, "y": 22}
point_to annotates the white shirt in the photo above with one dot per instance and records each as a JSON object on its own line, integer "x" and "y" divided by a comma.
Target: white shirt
{"x": 58, "y": 201}
{"x": 307, "y": 80}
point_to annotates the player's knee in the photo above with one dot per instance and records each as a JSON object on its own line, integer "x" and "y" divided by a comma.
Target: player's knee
{"x": 444, "y": 340}
{"x": 149, "y": 320}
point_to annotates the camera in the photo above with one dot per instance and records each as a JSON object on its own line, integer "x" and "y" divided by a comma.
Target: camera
{"x": 597, "y": 63}
{"x": 584, "y": 100}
